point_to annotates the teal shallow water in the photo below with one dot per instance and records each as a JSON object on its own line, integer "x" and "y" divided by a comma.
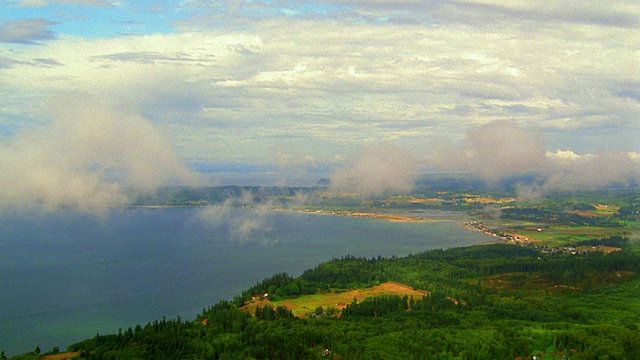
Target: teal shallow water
{"x": 66, "y": 276}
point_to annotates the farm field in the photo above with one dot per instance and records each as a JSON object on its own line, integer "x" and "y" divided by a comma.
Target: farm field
{"x": 542, "y": 234}
{"x": 558, "y": 235}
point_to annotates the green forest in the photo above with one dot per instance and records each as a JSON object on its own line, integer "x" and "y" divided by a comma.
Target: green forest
{"x": 496, "y": 301}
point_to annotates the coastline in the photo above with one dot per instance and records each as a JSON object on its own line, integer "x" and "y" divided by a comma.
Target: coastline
{"x": 392, "y": 217}
{"x": 426, "y": 217}
{"x": 462, "y": 219}
{"x": 429, "y": 216}
{"x": 199, "y": 252}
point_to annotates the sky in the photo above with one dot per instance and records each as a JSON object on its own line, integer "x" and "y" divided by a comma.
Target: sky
{"x": 97, "y": 95}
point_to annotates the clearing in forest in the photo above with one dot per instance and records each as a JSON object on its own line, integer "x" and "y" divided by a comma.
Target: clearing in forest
{"x": 304, "y": 305}
{"x": 62, "y": 356}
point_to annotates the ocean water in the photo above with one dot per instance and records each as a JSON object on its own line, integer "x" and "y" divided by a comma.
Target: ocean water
{"x": 66, "y": 276}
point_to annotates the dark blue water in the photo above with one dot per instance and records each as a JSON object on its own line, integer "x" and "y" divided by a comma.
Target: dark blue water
{"x": 65, "y": 277}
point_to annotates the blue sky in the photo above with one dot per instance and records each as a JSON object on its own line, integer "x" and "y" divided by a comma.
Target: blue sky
{"x": 133, "y": 18}
{"x": 296, "y": 86}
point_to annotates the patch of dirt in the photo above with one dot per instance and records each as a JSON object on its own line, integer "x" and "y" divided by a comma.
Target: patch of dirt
{"x": 62, "y": 356}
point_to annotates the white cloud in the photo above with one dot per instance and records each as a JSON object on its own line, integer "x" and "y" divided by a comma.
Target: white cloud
{"x": 343, "y": 83}
{"x": 380, "y": 169}
{"x": 570, "y": 171}
{"x": 242, "y": 218}
{"x": 564, "y": 155}
{"x": 88, "y": 158}
{"x": 500, "y": 150}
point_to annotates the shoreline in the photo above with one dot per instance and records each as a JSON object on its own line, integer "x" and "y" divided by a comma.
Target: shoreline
{"x": 462, "y": 219}
{"x": 392, "y": 217}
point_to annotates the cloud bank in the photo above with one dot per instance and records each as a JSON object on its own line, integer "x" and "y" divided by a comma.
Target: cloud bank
{"x": 502, "y": 149}
{"x": 379, "y": 169}
{"x": 87, "y": 158}
{"x": 569, "y": 171}
{"x": 494, "y": 151}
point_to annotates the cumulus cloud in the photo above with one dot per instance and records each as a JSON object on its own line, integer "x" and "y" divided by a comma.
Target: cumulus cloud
{"x": 26, "y": 31}
{"x": 379, "y": 169}
{"x": 242, "y": 218}
{"x": 88, "y": 157}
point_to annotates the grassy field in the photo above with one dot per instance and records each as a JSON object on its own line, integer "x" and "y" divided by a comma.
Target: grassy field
{"x": 562, "y": 235}
{"x": 304, "y": 305}
{"x": 557, "y": 235}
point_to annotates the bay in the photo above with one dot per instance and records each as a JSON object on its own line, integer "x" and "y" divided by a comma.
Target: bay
{"x": 66, "y": 276}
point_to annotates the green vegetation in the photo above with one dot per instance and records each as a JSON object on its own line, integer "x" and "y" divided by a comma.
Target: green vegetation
{"x": 493, "y": 301}
{"x": 570, "y": 289}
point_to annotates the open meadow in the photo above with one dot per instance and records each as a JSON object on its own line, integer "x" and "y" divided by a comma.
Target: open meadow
{"x": 305, "y": 305}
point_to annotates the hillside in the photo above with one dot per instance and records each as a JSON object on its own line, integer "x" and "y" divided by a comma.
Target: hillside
{"x": 493, "y": 301}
